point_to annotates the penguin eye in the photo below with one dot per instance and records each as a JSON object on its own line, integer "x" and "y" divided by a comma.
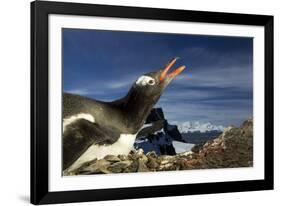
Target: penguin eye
{"x": 145, "y": 80}
{"x": 151, "y": 82}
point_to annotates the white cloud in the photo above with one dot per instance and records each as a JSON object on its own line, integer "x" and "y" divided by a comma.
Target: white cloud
{"x": 233, "y": 76}
{"x": 81, "y": 91}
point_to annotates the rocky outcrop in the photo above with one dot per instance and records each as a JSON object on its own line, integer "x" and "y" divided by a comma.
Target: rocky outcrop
{"x": 157, "y": 134}
{"x": 233, "y": 148}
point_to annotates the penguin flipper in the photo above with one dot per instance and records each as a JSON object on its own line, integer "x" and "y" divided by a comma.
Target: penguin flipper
{"x": 80, "y": 135}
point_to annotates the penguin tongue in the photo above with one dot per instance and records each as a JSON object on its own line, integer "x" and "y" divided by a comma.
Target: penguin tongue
{"x": 168, "y": 67}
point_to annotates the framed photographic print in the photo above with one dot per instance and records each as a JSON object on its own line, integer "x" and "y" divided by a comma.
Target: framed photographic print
{"x": 133, "y": 102}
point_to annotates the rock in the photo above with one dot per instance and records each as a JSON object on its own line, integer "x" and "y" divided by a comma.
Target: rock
{"x": 142, "y": 167}
{"x": 133, "y": 152}
{"x": 123, "y": 157}
{"x": 197, "y": 148}
{"x": 99, "y": 167}
{"x": 186, "y": 154}
{"x": 133, "y": 167}
{"x": 139, "y": 153}
{"x": 151, "y": 154}
{"x": 127, "y": 170}
{"x": 152, "y": 163}
{"x": 144, "y": 159}
{"x": 119, "y": 166}
{"x": 190, "y": 164}
{"x": 172, "y": 131}
{"x": 166, "y": 157}
{"x": 111, "y": 158}
{"x": 163, "y": 162}
{"x": 167, "y": 167}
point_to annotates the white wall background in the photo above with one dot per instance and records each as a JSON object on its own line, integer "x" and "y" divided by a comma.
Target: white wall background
{"x": 14, "y": 101}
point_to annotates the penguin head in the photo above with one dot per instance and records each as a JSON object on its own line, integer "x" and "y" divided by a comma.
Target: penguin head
{"x": 145, "y": 93}
{"x": 151, "y": 85}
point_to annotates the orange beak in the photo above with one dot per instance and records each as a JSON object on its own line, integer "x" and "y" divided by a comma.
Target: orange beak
{"x": 177, "y": 71}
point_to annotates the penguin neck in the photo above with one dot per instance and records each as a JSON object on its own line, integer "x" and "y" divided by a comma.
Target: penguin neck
{"x": 136, "y": 107}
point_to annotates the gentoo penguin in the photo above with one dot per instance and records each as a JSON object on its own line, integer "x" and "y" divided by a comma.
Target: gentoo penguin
{"x": 93, "y": 129}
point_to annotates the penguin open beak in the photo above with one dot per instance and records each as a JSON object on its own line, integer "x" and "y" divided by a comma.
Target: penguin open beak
{"x": 164, "y": 75}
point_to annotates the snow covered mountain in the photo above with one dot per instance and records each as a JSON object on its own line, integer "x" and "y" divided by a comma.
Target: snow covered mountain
{"x": 187, "y": 127}
{"x": 168, "y": 139}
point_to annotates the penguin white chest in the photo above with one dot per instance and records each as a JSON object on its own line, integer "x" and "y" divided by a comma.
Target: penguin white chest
{"x": 122, "y": 146}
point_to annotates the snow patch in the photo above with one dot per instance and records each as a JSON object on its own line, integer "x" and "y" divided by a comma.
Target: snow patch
{"x": 182, "y": 147}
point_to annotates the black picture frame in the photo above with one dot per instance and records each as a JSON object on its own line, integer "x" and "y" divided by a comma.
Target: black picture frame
{"x": 40, "y": 113}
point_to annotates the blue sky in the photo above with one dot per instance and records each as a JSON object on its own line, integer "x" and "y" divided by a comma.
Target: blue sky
{"x": 216, "y": 87}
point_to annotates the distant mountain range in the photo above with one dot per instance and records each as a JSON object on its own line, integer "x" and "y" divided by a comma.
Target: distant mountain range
{"x": 168, "y": 139}
{"x": 197, "y": 126}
